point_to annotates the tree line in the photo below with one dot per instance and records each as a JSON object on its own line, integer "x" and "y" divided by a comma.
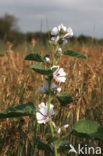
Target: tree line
{"x": 9, "y": 31}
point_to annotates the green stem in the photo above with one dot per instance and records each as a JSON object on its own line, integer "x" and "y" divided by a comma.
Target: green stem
{"x": 52, "y": 131}
{"x": 55, "y": 50}
{"x": 50, "y": 122}
{"x": 53, "y": 60}
{"x": 49, "y": 97}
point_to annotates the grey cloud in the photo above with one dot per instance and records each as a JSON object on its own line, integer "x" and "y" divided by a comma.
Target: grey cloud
{"x": 81, "y": 15}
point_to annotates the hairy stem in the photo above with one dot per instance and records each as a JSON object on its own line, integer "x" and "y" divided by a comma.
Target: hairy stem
{"x": 50, "y": 122}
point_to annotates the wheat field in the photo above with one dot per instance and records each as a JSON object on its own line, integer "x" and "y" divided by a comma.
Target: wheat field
{"x": 19, "y": 85}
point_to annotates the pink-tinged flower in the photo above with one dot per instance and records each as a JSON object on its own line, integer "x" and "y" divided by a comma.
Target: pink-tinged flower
{"x": 42, "y": 113}
{"x": 59, "y": 75}
{"x": 45, "y": 88}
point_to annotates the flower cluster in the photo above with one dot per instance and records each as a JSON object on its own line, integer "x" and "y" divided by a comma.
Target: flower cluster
{"x": 44, "y": 113}
{"x": 60, "y": 34}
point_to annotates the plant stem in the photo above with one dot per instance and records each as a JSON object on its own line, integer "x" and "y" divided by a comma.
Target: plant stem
{"x": 49, "y": 97}
{"x": 52, "y": 131}
{"x": 50, "y": 122}
{"x": 53, "y": 61}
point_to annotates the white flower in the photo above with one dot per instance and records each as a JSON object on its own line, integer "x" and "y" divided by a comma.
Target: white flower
{"x": 69, "y": 33}
{"x": 42, "y": 113}
{"x": 59, "y": 75}
{"x": 62, "y": 33}
{"x": 45, "y": 88}
{"x": 59, "y": 89}
{"x": 54, "y": 31}
{"x": 47, "y": 59}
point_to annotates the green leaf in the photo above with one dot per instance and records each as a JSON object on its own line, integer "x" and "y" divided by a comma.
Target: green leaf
{"x": 52, "y": 139}
{"x": 42, "y": 146}
{"x": 36, "y": 57}
{"x": 41, "y": 70}
{"x": 73, "y": 53}
{"x": 89, "y": 129}
{"x": 18, "y": 111}
{"x": 64, "y": 98}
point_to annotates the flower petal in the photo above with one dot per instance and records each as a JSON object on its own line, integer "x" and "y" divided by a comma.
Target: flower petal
{"x": 41, "y": 90}
{"x": 42, "y": 113}
{"x": 59, "y": 90}
{"x": 53, "y": 86}
{"x": 51, "y": 112}
{"x": 42, "y": 105}
{"x": 54, "y": 31}
{"x": 47, "y": 59}
{"x": 44, "y": 110}
{"x": 59, "y": 130}
{"x": 46, "y": 85}
{"x": 64, "y": 42}
{"x": 61, "y": 79}
{"x": 56, "y": 38}
{"x": 62, "y": 27}
{"x": 61, "y": 72}
{"x": 53, "y": 38}
{"x": 41, "y": 121}
{"x": 39, "y": 116}
{"x": 69, "y": 33}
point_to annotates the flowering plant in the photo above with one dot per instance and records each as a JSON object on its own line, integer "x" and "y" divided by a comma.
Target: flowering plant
{"x": 53, "y": 73}
{"x": 45, "y": 112}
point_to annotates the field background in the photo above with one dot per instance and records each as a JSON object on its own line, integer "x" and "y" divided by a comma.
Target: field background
{"x": 19, "y": 85}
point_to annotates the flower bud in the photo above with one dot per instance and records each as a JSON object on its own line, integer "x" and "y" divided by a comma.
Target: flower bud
{"x": 47, "y": 59}
{"x": 59, "y": 51}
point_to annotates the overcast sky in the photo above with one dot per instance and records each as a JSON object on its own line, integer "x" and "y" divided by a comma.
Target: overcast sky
{"x": 83, "y": 16}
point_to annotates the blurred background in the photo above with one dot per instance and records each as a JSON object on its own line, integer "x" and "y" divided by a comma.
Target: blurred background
{"x": 19, "y": 20}
{"x": 25, "y": 28}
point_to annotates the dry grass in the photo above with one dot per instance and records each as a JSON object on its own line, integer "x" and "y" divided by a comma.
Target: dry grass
{"x": 18, "y": 85}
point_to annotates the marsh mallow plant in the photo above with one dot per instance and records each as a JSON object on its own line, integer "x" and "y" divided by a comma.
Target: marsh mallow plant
{"x": 44, "y": 115}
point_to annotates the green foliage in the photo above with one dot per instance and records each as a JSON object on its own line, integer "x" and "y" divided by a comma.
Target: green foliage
{"x": 36, "y": 57}
{"x": 89, "y": 129}
{"x": 41, "y": 69}
{"x": 64, "y": 98}
{"x": 42, "y": 146}
{"x": 73, "y": 53}
{"x": 63, "y": 146}
{"x": 18, "y": 111}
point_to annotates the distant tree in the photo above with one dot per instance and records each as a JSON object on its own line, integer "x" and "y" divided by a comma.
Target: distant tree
{"x": 8, "y": 24}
